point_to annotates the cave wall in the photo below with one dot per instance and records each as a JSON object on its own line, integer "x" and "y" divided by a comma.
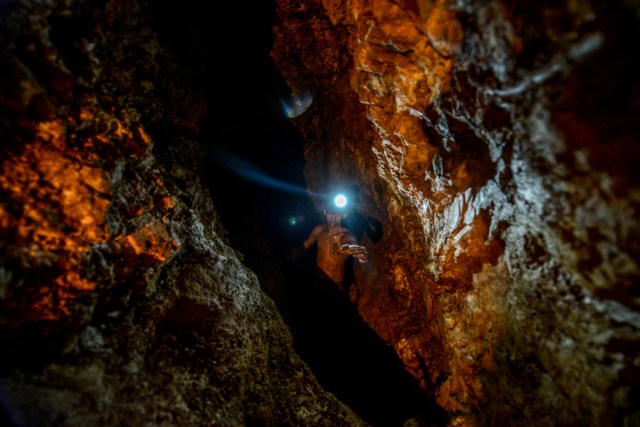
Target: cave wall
{"x": 121, "y": 301}
{"x": 497, "y": 142}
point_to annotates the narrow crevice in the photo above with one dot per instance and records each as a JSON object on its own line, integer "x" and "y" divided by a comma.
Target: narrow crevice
{"x": 255, "y": 169}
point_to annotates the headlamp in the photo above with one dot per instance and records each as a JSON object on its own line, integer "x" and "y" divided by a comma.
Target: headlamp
{"x": 340, "y": 201}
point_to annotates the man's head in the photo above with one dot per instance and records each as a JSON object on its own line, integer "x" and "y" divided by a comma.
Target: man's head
{"x": 334, "y": 215}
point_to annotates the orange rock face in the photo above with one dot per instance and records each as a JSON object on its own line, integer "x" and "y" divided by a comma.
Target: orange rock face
{"x": 55, "y": 208}
{"x": 58, "y": 188}
{"x": 475, "y": 132}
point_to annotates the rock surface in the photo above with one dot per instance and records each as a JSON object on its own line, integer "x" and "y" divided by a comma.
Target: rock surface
{"x": 498, "y": 145}
{"x": 121, "y": 301}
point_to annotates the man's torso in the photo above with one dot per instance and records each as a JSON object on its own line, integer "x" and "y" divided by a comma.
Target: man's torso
{"x": 329, "y": 258}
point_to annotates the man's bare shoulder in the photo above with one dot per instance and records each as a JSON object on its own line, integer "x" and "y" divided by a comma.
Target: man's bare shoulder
{"x": 317, "y": 229}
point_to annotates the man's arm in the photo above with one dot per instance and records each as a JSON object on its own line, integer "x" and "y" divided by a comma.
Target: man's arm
{"x": 308, "y": 242}
{"x": 313, "y": 236}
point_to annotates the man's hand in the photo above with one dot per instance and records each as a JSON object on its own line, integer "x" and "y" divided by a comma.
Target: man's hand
{"x": 356, "y": 251}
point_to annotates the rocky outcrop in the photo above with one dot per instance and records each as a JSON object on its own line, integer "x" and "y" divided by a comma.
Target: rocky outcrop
{"x": 497, "y": 144}
{"x": 121, "y": 301}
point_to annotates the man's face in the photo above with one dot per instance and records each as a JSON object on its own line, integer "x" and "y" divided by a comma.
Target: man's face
{"x": 333, "y": 217}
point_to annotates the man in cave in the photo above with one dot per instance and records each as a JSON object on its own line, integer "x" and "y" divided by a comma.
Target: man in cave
{"x": 325, "y": 319}
{"x": 339, "y": 347}
{"x": 335, "y": 244}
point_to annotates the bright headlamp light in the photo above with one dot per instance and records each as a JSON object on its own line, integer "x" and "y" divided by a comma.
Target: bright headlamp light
{"x": 340, "y": 201}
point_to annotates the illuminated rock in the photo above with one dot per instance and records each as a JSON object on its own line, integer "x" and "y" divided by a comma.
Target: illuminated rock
{"x": 498, "y": 144}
